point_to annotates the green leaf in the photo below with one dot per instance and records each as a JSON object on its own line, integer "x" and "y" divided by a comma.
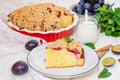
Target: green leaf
{"x": 98, "y": 16}
{"x": 110, "y": 21}
{"x": 116, "y": 19}
{"x": 102, "y": 29}
{"x": 116, "y": 34}
{"x": 68, "y": 39}
{"x": 117, "y": 12}
{"x": 102, "y": 9}
{"x": 112, "y": 28}
{"x": 108, "y": 32}
{"x": 104, "y": 73}
{"x": 91, "y": 45}
{"x": 117, "y": 28}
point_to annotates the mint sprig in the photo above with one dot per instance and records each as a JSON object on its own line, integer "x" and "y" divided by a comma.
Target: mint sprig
{"x": 104, "y": 73}
{"x": 109, "y": 20}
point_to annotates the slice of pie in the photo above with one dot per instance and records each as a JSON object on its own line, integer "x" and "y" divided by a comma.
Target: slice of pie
{"x": 61, "y": 54}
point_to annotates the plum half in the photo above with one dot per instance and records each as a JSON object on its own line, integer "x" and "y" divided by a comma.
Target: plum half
{"x": 116, "y": 49}
{"x": 108, "y": 61}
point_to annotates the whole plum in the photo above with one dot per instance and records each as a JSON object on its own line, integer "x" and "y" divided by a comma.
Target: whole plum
{"x": 19, "y": 68}
{"x": 31, "y": 44}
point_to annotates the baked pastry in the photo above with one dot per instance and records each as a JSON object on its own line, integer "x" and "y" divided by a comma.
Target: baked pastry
{"x": 61, "y": 54}
{"x": 41, "y": 17}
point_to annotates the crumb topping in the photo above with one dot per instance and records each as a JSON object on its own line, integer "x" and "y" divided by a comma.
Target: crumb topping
{"x": 73, "y": 46}
{"x": 41, "y": 17}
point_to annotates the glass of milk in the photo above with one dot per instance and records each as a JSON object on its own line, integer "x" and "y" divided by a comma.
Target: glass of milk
{"x": 87, "y": 30}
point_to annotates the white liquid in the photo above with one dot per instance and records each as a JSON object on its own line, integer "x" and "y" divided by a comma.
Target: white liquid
{"x": 87, "y": 32}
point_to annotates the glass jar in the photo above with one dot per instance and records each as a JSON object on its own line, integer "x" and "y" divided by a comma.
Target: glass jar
{"x": 87, "y": 31}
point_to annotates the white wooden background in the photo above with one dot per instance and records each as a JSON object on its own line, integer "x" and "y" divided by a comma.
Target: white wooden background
{"x": 64, "y": 3}
{"x": 8, "y": 5}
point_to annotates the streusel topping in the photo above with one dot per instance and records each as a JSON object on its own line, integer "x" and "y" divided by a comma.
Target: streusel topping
{"x": 41, "y": 17}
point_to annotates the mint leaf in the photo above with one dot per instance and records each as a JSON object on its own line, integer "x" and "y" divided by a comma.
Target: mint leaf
{"x": 117, "y": 28}
{"x": 116, "y": 34}
{"x": 117, "y": 12}
{"x": 68, "y": 39}
{"x": 98, "y": 16}
{"x": 104, "y": 73}
{"x": 116, "y": 19}
{"x": 108, "y": 32}
{"x": 110, "y": 21}
{"x": 102, "y": 29}
{"x": 91, "y": 45}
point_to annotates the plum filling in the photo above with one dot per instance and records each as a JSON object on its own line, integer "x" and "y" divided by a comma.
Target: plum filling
{"x": 58, "y": 14}
{"x": 82, "y": 56}
{"x": 58, "y": 48}
{"x": 49, "y": 9}
{"x": 76, "y": 53}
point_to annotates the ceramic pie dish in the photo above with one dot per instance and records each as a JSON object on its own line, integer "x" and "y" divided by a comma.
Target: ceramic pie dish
{"x": 49, "y": 36}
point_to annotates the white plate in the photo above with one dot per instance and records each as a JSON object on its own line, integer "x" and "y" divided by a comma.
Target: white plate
{"x": 36, "y": 59}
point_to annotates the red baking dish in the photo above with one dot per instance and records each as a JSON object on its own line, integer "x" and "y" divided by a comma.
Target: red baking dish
{"x": 49, "y": 36}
